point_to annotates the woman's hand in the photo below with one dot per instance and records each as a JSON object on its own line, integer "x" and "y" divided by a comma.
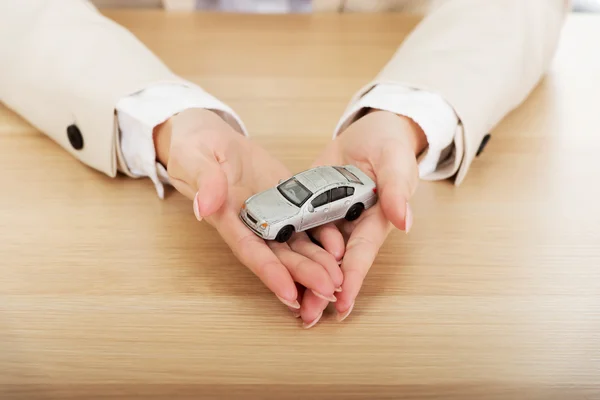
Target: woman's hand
{"x": 219, "y": 168}
{"x": 384, "y": 146}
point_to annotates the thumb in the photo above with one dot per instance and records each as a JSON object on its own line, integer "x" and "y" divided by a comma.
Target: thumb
{"x": 199, "y": 176}
{"x": 397, "y": 178}
{"x": 211, "y": 183}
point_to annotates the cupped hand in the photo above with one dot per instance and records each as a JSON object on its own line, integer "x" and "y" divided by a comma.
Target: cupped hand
{"x": 384, "y": 146}
{"x": 219, "y": 168}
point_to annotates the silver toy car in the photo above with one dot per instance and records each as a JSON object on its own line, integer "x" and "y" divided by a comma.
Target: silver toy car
{"x": 309, "y": 199}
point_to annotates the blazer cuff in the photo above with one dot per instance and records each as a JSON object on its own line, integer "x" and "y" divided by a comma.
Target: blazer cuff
{"x": 139, "y": 113}
{"x": 430, "y": 111}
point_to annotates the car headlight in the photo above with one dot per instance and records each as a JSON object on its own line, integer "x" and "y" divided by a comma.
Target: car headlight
{"x": 264, "y": 226}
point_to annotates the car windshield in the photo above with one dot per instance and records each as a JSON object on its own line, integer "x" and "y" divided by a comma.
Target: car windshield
{"x": 294, "y": 192}
{"x": 348, "y": 175}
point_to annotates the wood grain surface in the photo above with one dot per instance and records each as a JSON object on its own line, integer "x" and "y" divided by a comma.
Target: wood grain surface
{"x": 107, "y": 292}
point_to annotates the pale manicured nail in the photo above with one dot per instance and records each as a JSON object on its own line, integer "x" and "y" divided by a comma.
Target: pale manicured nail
{"x": 322, "y": 296}
{"x": 295, "y": 313}
{"x": 292, "y": 304}
{"x": 338, "y": 289}
{"x": 344, "y": 315}
{"x": 313, "y": 322}
{"x": 409, "y": 218}
{"x": 197, "y": 208}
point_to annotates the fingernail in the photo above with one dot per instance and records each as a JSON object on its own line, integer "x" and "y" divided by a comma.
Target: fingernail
{"x": 322, "y": 296}
{"x": 294, "y": 312}
{"x": 340, "y": 317}
{"x": 313, "y": 322}
{"x": 290, "y": 304}
{"x": 409, "y": 218}
{"x": 197, "y": 208}
{"x": 337, "y": 289}
{"x": 340, "y": 261}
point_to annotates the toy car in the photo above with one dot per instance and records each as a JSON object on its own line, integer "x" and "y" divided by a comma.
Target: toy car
{"x": 309, "y": 199}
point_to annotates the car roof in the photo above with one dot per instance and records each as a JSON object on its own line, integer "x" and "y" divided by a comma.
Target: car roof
{"x": 319, "y": 177}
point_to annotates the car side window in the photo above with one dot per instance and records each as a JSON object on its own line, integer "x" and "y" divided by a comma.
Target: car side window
{"x": 321, "y": 199}
{"x": 338, "y": 193}
{"x": 349, "y": 191}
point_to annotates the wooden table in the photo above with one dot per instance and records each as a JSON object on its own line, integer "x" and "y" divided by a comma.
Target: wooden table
{"x": 108, "y": 292}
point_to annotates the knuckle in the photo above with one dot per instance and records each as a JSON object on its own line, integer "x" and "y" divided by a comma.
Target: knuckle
{"x": 264, "y": 269}
{"x": 409, "y": 187}
{"x": 356, "y": 274}
{"x": 362, "y": 245}
{"x": 243, "y": 246}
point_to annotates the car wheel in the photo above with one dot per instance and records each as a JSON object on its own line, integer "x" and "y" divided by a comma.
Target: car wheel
{"x": 285, "y": 234}
{"x": 354, "y": 212}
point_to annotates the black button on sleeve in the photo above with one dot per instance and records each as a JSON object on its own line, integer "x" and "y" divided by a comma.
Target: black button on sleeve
{"x": 484, "y": 142}
{"x": 75, "y": 137}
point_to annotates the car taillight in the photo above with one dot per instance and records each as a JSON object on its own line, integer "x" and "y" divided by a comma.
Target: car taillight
{"x": 375, "y": 190}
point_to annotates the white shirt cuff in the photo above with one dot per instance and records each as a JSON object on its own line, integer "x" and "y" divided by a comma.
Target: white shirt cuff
{"x": 139, "y": 113}
{"x": 429, "y": 110}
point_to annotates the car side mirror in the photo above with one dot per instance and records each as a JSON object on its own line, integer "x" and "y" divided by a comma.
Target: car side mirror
{"x": 311, "y": 208}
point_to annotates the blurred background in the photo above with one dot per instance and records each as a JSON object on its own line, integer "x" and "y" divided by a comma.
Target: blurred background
{"x": 586, "y": 5}
{"x": 298, "y": 5}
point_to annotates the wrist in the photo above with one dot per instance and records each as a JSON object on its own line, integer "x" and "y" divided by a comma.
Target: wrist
{"x": 187, "y": 120}
{"x": 162, "y": 141}
{"x": 407, "y": 128}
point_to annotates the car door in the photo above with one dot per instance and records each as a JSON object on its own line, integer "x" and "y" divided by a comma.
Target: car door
{"x": 341, "y": 200}
{"x": 316, "y": 211}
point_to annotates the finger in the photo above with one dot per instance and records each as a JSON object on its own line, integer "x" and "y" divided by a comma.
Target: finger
{"x": 301, "y": 290}
{"x": 397, "y": 178}
{"x": 301, "y": 244}
{"x": 362, "y": 248}
{"x": 254, "y": 253}
{"x": 331, "y": 239}
{"x": 197, "y": 172}
{"x": 346, "y": 228}
{"x": 312, "y": 309}
{"x": 212, "y": 189}
{"x": 305, "y": 271}
{"x": 209, "y": 198}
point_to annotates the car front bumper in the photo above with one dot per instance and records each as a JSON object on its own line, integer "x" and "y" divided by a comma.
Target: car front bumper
{"x": 263, "y": 233}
